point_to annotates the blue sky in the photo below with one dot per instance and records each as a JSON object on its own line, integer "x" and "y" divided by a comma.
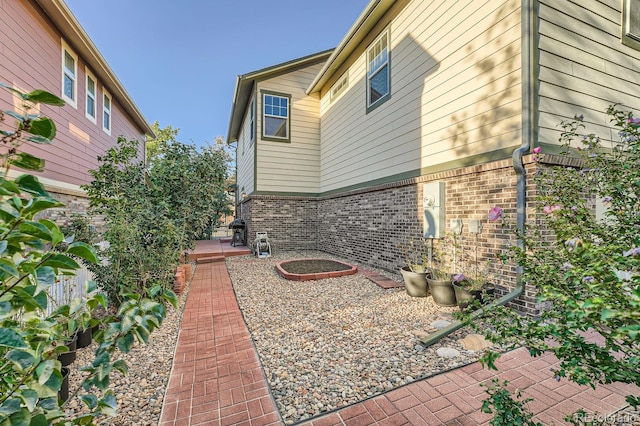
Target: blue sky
{"x": 179, "y": 59}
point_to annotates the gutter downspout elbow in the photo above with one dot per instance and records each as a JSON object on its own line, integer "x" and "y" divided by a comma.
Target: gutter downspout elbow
{"x": 528, "y": 113}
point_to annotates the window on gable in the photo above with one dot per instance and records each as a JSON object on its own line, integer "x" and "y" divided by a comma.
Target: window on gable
{"x": 69, "y": 75}
{"x": 275, "y": 123}
{"x": 631, "y": 23}
{"x": 106, "y": 113}
{"x": 378, "y": 72}
{"x": 340, "y": 86}
{"x": 90, "y": 109}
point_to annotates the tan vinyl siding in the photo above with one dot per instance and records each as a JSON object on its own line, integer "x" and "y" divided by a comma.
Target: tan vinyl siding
{"x": 292, "y": 166}
{"x": 245, "y": 158}
{"x": 584, "y": 67}
{"x": 451, "y": 96}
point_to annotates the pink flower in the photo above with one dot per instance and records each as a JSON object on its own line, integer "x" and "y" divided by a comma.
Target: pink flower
{"x": 550, "y": 209}
{"x": 634, "y": 122}
{"x": 458, "y": 277}
{"x": 537, "y": 150}
{"x": 495, "y": 214}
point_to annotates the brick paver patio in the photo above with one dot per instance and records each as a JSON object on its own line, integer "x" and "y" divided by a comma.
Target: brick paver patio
{"x": 217, "y": 378}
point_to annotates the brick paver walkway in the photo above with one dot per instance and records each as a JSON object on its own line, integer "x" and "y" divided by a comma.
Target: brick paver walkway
{"x": 217, "y": 378}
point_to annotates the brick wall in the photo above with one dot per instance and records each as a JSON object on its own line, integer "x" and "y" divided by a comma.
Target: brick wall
{"x": 290, "y": 222}
{"x": 371, "y": 225}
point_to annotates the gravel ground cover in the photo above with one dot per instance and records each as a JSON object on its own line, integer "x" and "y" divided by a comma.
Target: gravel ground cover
{"x": 329, "y": 343}
{"x": 323, "y": 344}
{"x": 141, "y": 392}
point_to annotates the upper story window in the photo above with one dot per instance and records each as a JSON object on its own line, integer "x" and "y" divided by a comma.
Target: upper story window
{"x": 340, "y": 86}
{"x": 378, "y": 72}
{"x": 252, "y": 122}
{"x": 92, "y": 89}
{"x": 106, "y": 112}
{"x": 69, "y": 76}
{"x": 275, "y": 120}
{"x": 631, "y": 23}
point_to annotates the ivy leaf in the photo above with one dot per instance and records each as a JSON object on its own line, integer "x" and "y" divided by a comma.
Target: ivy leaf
{"x": 121, "y": 366}
{"x": 5, "y": 308}
{"x": 9, "y": 187}
{"x": 35, "y": 229}
{"x": 43, "y": 126}
{"x": 10, "y": 406}
{"x": 607, "y": 314}
{"x": 43, "y": 97}
{"x": 83, "y": 251}
{"x": 11, "y": 339}
{"x": 46, "y": 275}
{"x": 26, "y": 161}
{"x": 39, "y": 204}
{"x": 90, "y": 400}
{"x": 44, "y": 371}
{"x": 30, "y": 398}
{"x": 125, "y": 343}
{"x": 32, "y": 185}
{"x": 9, "y": 268}
{"x": 61, "y": 261}
{"x": 22, "y": 359}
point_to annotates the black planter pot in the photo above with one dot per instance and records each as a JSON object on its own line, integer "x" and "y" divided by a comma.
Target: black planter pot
{"x": 84, "y": 338}
{"x": 66, "y": 358}
{"x": 63, "y": 394}
{"x": 466, "y": 296}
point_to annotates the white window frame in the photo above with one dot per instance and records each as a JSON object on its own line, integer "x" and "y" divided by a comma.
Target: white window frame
{"x": 107, "y": 112}
{"x": 252, "y": 121}
{"x": 287, "y": 118}
{"x": 630, "y": 11}
{"x": 71, "y": 74}
{"x": 372, "y": 72}
{"x": 94, "y": 96}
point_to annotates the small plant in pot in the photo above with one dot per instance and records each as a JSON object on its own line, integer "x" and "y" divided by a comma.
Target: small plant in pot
{"x": 416, "y": 269}
{"x": 439, "y": 281}
{"x": 477, "y": 288}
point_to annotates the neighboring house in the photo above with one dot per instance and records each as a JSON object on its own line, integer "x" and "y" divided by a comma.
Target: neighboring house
{"x": 334, "y": 150}
{"x": 42, "y": 46}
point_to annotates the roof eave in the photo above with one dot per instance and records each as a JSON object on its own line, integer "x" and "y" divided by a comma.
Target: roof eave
{"x": 245, "y": 82}
{"x": 66, "y": 22}
{"x": 358, "y": 31}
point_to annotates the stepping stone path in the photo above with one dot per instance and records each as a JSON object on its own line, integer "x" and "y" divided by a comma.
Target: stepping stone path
{"x": 475, "y": 342}
{"x": 448, "y": 352}
{"x": 439, "y": 324}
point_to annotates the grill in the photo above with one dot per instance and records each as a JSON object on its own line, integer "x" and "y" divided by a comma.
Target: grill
{"x": 239, "y": 232}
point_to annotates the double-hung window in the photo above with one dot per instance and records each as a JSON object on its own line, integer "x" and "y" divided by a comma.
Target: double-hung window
{"x": 69, "y": 76}
{"x": 92, "y": 90}
{"x": 275, "y": 118}
{"x": 252, "y": 122}
{"x": 106, "y": 113}
{"x": 631, "y": 23}
{"x": 378, "y": 72}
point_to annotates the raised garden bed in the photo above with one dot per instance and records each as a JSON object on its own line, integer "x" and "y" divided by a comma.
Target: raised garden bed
{"x": 314, "y": 269}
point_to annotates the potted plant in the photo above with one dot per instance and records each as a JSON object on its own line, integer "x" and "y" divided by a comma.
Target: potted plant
{"x": 477, "y": 287}
{"x": 439, "y": 281}
{"x": 415, "y": 270}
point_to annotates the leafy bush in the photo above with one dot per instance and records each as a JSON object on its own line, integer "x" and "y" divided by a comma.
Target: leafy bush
{"x": 143, "y": 247}
{"x": 33, "y": 253}
{"x": 585, "y": 269}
